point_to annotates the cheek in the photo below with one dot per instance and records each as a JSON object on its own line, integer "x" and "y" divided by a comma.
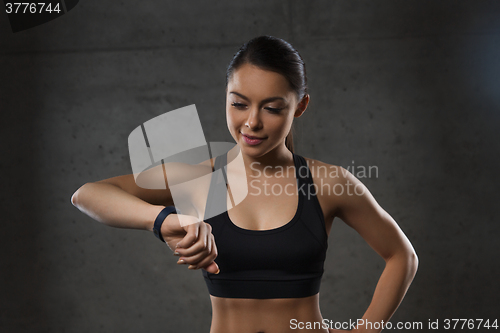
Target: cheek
{"x": 229, "y": 118}
{"x": 232, "y": 120}
{"x": 280, "y": 126}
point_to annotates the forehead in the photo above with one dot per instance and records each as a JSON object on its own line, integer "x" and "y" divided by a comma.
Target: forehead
{"x": 251, "y": 80}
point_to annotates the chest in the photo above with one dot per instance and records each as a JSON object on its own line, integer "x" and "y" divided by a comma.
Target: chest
{"x": 268, "y": 204}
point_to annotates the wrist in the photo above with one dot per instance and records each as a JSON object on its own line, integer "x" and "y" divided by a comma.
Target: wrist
{"x": 164, "y": 213}
{"x": 153, "y": 212}
{"x": 170, "y": 224}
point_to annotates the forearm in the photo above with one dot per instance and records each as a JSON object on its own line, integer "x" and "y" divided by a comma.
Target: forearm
{"x": 391, "y": 288}
{"x": 109, "y": 204}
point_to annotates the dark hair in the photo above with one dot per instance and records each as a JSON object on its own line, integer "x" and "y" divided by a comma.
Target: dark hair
{"x": 277, "y": 55}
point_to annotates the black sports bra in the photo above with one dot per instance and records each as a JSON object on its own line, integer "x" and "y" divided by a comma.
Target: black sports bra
{"x": 285, "y": 262}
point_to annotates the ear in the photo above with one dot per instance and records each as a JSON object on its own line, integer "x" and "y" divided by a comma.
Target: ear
{"x": 302, "y": 106}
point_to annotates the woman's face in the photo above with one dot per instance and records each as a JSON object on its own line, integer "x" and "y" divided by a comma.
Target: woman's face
{"x": 260, "y": 107}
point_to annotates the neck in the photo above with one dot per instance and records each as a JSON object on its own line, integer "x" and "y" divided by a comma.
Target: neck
{"x": 278, "y": 157}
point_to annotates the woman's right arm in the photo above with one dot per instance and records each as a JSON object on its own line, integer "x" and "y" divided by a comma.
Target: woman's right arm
{"x": 119, "y": 202}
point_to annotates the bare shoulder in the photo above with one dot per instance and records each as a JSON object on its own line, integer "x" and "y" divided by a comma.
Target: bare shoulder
{"x": 337, "y": 187}
{"x": 325, "y": 173}
{"x": 329, "y": 180}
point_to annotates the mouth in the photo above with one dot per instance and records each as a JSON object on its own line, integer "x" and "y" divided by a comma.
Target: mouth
{"x": 252, "y": 137}
{"x": 252, "y": 140}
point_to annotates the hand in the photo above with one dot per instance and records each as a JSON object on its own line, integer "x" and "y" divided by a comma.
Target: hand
{"x": 193, "y": 243}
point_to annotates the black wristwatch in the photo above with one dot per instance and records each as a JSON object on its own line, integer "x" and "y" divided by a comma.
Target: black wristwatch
{"x": 159, "y": 221}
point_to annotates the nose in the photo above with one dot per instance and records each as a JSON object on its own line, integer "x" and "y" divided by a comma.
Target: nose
{"x": 253, "y": 120}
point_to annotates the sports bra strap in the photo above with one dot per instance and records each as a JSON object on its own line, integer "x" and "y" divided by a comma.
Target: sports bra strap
{"x": 303, "y": 175}
{"x": 309, "y": 191}
{"x": 216, "y": 199}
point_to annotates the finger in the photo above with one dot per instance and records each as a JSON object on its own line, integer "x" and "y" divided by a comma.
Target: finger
{"x": 196, "y": 258}
{"x": 210, "y": 241}
{"x": 203, "y": 260}
{"x": 190, "y": 237}
{"x": 212, "y": 268}
{"x": 201, "y": 245}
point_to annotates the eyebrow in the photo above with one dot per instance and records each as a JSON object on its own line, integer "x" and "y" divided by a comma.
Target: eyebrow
{"x": 267, "y": 100}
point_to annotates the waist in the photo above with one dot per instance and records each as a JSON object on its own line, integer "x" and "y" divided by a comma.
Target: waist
{"x": 264, "y": 315}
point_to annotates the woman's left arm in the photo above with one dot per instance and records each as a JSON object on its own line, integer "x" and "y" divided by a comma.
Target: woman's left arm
{"x": 359, "y": 209}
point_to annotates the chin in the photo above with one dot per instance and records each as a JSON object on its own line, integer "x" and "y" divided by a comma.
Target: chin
{"x": 254, "y": 151}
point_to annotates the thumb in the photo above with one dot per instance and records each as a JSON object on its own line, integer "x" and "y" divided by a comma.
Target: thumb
{"x": 212, "y": 268}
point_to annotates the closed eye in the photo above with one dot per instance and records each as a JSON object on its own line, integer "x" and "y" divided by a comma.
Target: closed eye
{"x": 274, "y": 110}
{"x": 238, "y": 105}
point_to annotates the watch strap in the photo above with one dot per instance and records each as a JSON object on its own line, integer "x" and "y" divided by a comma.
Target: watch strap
{"x": 159, "y": 221}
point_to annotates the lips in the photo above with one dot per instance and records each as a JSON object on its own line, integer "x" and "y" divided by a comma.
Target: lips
{"x": 252, "y": 137}
{"x": 252, "y": 140}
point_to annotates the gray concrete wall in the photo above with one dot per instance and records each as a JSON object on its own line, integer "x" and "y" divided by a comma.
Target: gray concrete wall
{"x": 409, "y": 86}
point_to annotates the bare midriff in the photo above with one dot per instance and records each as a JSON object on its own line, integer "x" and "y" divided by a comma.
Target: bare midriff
{"x": 265, "y": 315}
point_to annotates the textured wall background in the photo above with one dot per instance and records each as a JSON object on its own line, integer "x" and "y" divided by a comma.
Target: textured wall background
{"x": 409, "y": 86}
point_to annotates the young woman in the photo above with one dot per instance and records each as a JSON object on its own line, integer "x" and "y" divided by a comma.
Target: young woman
{"x": 262, "y": 258}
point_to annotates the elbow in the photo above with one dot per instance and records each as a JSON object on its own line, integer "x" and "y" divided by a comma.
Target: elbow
{"x": 409, "y": 266}
{"x": 75, "y": 198}
{"x": 406, "y": 259}
{"x": 413, "y": 258}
